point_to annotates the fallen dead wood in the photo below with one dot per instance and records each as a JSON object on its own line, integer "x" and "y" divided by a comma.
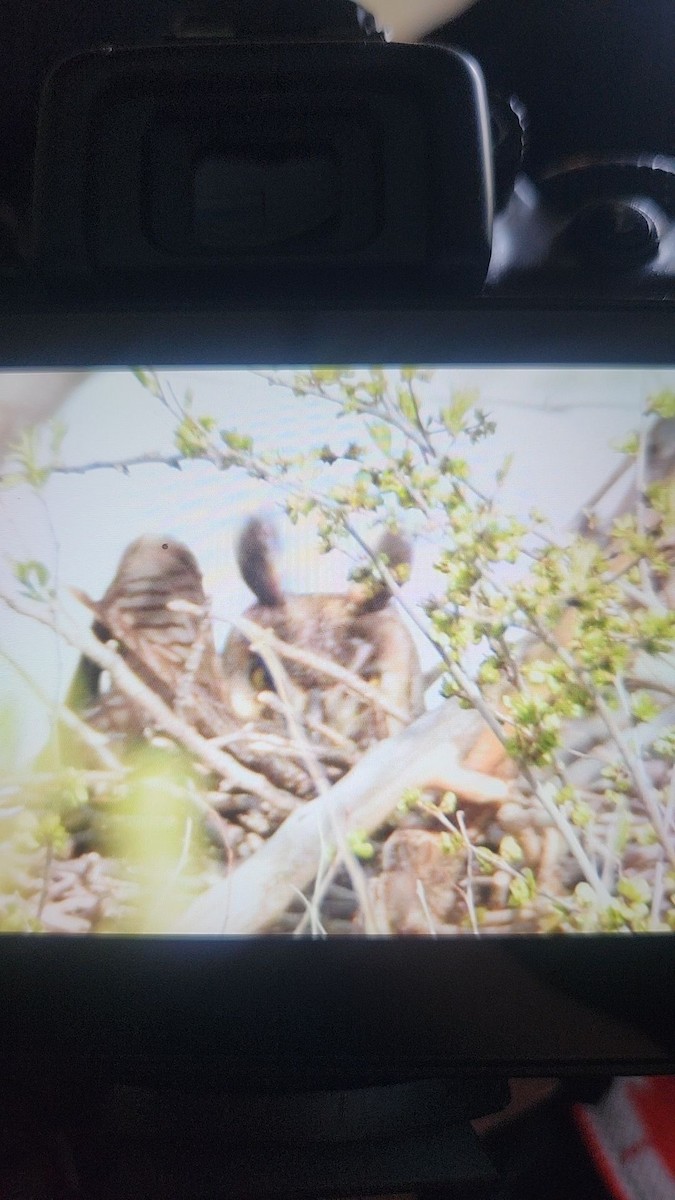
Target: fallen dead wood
{"x": 258, "y": 892}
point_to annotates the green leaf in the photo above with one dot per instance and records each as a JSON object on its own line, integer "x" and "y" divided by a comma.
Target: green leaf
{"x": 148, "y": 380}
{"x": 663, "y": 403}
{"x": 503, "y": 471}
{"x": 236, "y": 441}
{"x": 448, "y": 803}
{"x": 585, "y": 894}
{"x": 635, "y": 890}
{"x": 189, "y": 439}
{"x": 510, "y": 850}
{"x": 410, "y": 799}
{"x": 519, "y": 893}
{"x": 329, "y": 375}
{"x": 25, "y": 453}
{"x": 381, "y": 435}
{"x": 630, "y": 445}
{"x": 360, "y": 846}
{"x": 486, "y": 859}
{"x": 407, "y": 405}
{"x": 453, "y": 417}
{"x": 644, "y": 707}
{"x": 452, "y": 843}
{"x": 33, "y": 575}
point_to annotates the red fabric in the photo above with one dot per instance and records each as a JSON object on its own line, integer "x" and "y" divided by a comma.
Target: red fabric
{"x": 630, "y": 1136}
{"x": 655, "y": 1103}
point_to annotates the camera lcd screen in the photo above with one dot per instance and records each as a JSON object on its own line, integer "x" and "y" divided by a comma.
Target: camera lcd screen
{"x": 338, "y": 651}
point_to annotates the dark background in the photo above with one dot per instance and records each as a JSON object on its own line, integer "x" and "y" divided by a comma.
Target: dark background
{"x": 594, "y": 74}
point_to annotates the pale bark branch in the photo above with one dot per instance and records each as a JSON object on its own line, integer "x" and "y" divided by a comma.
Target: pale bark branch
{"x": 494, "y": 722}
{"x": 91, "y": 738}
{"x": 222, "y": 764}
{"x": 260, "y": 637}
{"x": 259, "y": 891}
{"x": 580, "y": 523}
{"x": 122, "y": 465}
{"x": 315, "y": 770}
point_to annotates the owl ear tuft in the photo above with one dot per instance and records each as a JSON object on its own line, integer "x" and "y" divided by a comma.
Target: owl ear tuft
{"x": 258, "y": 560}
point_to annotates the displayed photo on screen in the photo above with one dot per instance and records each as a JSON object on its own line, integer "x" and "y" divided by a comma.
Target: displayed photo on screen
{"x": 337, "y": 651}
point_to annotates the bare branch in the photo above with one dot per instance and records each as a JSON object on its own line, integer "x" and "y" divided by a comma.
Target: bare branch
{"x": 398, "y": 422}
{"x": 262, "y": 638}
{"x": 424, "y": 903}
{"x": 657, "y": 896}
{"x": 467, "y": 891}
{"x": 641, "y": 519}
{"x": 634, "y": 764}
{"x": 581, "y": 522}
{"x": 91, "y": 738}
{"x": 123, "y": 465}
{"x": 318, "y": 776}
{"x": 157, "y": 711}
{"x": 259, "y": 891}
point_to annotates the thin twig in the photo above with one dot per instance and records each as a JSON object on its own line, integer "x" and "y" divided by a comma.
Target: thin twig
{"x": 494, "y": 722}
{"x": 261, "y": 637}
{"x": 502, "y": 863}
{"x": 311, "y": 916}
{"x": 641, "y": 517}
{"x": 657, "y": 896}
{"x": 634, "y": 765}
{"x": 46, "y": 879}
{"x": 318, "y": 776}
{"x": 306, "y": 753}
{"x": 609, "y": 865}
{"x": 652, "y": 685}
{"x": 157, "y": 711}
{"x": 422, "y": 897}
{"x": 581, "y": 522}
{"x": 91, "y": 738}
{"x": 367, "y": 410}
{"x": 468, "y": 890}
{"x": 122, "y": 465}
{"x": 670, "y": 803}
{"x": 260, "y": 889}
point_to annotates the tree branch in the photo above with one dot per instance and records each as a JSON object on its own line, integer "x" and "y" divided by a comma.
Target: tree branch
{"x": 260, "y": 890}
{"x": 91, "y": 738}
{"x": 141, "y": 695}
{"x": 123, "y": 464}
{"x": 634, "y": 764}
{"x": 317, "y": 774}
{"x": 580, "y": 523}
{"x": 260, "y": 637}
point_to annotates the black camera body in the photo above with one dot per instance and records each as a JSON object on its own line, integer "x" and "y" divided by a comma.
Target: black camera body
{"x": 269, "y": 172}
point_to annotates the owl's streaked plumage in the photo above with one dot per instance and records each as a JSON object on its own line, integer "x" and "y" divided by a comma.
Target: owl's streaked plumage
{"x": 358, "y": 630}
{"x": 171, "y": 650}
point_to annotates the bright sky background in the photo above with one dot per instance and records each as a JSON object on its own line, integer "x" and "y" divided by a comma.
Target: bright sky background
{"x": 559, "y": 424}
